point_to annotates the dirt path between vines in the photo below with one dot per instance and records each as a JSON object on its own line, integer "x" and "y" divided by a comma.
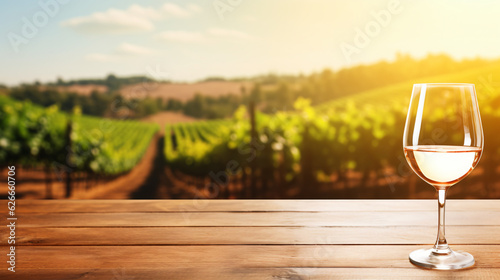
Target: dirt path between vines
{"x": 150, "y": 179}
{"x": 146, "y": 180}
{"x": 123, "y": 186}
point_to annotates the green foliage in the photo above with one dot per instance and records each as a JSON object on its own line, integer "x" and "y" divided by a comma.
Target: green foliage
{"x": 361, "y": 132}
{"x": 96, "y": 104}
{"x": 279, "y": 93}
{"x": 273, "y": 93}
{"x": 30, "y": 134}
{"x": 196, "y": 148}
{"x": 111, "y": 81}
{"x": 174, "y": 105}
{"x": 208, "y": 107}
{"x": 110, "y": 147}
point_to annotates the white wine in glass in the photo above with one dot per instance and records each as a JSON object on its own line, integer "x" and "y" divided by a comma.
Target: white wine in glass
{"x": 443, "y": 141}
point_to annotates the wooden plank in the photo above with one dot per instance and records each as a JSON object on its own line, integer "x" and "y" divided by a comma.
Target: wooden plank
{"x": 237, "y": 256}
{"x": 295, "y": 239}
{"x": 197, "y": 205}
{"x": 254, "y": 219}
{"x": 214, "y": 273}
{"x": 259, "y": 235}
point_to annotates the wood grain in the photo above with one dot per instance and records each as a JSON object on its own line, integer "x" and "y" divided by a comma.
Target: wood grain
{"x": 229, "y": 256}
{"x": 255, "y": 219}
{"x": 474, "y": 235}
{"x": 246, "y": 239}
{"x": 172, "y": 273}
{"x": 199, "y": 205}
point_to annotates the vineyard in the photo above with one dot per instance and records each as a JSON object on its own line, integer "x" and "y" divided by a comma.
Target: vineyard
{"x": 349, "y": 147}
{"x": 63, "y": 143}
{"x": 285, "y": 149}
{"x": 296, "y": 153}
{"x": 110, "y": 147}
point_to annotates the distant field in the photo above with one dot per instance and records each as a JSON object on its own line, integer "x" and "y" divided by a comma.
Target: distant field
{"x": 83, "y": 89}
{"x": 186, "y": 91}
{"x": 180, "y": 91}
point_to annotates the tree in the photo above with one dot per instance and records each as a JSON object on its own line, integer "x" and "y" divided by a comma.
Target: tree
{"x": 112, "y": 83}
{"x": 195, "y": 106}
{"x": 60, "y": 81}
{"x": 174, "y": 104}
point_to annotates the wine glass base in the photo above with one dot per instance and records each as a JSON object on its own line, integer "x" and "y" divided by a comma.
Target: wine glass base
{"x": 427, "y": 258}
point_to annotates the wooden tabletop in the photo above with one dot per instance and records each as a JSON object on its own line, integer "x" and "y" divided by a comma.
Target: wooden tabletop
{"x": 245, "y": 239}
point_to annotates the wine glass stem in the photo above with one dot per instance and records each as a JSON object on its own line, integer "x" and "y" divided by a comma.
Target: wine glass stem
{"x": 441, "y": 246}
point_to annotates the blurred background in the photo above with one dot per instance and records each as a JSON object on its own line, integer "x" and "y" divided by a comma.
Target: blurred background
{"x": 234, "y": 98}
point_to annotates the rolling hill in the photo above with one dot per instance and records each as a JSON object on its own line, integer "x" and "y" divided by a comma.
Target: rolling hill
{"x": 185, "y": 91}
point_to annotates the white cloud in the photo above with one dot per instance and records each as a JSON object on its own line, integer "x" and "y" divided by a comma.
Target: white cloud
{"x": 135, "y": 18}
{"x": 174, "y": 10}
{"x": 130, "y": 49}
{"x": 182, "y": 36}
{"x": 229, "y": 33}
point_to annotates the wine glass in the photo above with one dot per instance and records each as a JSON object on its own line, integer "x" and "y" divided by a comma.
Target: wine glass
{"x": 443, "y": 141}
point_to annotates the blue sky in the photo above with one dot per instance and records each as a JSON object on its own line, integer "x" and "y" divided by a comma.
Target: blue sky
{"x": 191, "y": 40}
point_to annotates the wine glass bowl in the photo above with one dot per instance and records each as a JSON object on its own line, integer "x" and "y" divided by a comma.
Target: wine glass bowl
{"x": 443, "y": 142}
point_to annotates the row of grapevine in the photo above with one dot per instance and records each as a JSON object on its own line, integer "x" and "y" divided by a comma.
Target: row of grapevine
{"x": 361, "y": 134}
{"x": 193, "y": 148}
{"x": 30, "y": 134}
{"x": 335, "y": 138}
{"x": 121, "y": 143}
